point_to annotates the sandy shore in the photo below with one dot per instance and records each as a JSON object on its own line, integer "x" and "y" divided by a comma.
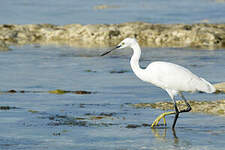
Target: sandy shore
{"x": 204, "y": 36}
{"x": 207, "y": 107}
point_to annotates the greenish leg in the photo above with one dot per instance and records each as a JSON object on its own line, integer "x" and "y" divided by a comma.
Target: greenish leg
{"x": 162, "y": 116}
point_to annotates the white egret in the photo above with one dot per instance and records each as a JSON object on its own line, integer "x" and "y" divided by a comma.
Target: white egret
{"x": 174, "y": 79}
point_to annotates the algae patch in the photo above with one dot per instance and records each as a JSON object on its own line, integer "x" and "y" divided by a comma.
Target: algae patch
{"x": 58, "y": 91}
{"x": 90, "y": 120}
{"x": 131, "y": 126}
{"x": 7, "y": 107}
{"x": 119, "y": 71}
{"x": 89, "y": 70}
{"x": 33, "y": 111}
{"x": 58, "y": 120}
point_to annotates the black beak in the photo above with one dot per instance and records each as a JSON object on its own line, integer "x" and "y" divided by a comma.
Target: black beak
{"x": 110, "y": 50}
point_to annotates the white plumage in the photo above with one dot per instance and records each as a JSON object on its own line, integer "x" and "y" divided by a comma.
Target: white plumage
{"x": 174, "y": 77}
{"x": 171, "y": 77}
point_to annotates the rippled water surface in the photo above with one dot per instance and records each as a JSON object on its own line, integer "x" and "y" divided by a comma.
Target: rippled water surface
{"x": 103, "y": 119}
{"x": 34, "y": 119}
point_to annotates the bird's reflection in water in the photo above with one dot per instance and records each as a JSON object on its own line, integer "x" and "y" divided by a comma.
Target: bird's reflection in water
{"x": 168, "y": 137}
{"x": 161, "y": 134}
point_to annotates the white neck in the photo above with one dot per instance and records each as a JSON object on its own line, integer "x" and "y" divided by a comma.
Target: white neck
{"x": 134, "y": 62}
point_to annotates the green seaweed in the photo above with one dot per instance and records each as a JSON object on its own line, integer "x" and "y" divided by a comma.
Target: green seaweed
{"x": 88, "y": 70}
{"x": 57, "y": 91}
{"x": 33, "y": 111}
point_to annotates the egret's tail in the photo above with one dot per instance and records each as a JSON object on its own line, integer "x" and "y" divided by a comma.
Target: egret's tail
{"x": 206, "y": 87}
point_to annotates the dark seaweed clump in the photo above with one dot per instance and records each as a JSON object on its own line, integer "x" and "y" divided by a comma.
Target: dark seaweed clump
{"x": 7, "y": 107}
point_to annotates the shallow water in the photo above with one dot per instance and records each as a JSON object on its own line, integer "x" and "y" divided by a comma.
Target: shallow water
{"x": 104, "y": 119}
{"x": 72, "y": 121}
{"x": 84, "y": 12}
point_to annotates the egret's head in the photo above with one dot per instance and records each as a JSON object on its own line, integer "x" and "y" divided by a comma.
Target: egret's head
{"x": 125, "y": 43}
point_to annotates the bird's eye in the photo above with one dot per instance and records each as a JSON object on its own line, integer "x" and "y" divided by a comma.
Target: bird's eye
{"x": 122, "y": 43}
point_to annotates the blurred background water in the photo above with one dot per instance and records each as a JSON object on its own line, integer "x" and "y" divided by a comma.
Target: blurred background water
{"x": 55, "y": 122}
{"x": 85, "y": 12}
